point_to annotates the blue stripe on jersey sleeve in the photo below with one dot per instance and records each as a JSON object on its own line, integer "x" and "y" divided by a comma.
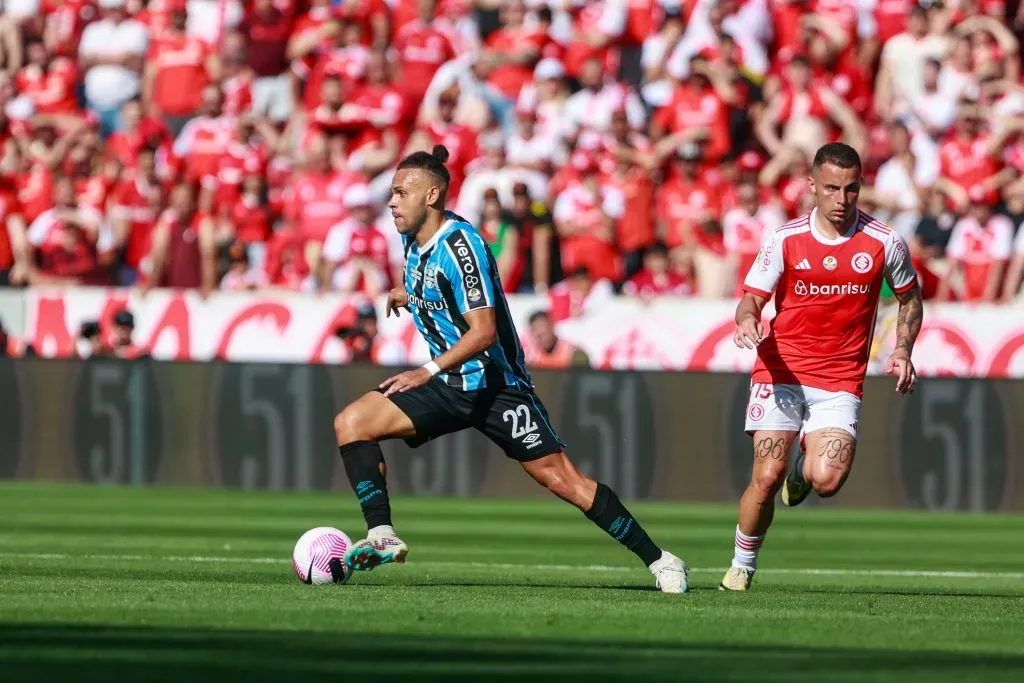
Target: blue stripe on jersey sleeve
{"x": 466, "y": 264}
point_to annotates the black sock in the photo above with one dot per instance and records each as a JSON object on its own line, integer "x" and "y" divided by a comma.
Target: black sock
{"x": 362, "y": 461}
{"x": 608, "y": 512}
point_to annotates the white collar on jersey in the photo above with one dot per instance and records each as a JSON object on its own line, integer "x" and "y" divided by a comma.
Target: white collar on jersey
{"x": 832, "y": 241}
{"x": 437, "y": 235}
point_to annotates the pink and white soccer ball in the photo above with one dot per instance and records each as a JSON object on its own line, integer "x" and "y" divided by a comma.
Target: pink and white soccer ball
{"x": 319, "y": 556}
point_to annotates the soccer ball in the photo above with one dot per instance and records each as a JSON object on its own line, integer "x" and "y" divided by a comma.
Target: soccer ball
{"x": 319, "y": 556}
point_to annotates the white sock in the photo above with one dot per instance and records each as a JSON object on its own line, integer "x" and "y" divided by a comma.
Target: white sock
{"x": 745, "y": 552}
{"x": 381, "y": 530}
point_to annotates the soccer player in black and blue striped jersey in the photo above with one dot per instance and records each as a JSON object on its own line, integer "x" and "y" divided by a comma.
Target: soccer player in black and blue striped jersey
{"x": 477, "y": 378}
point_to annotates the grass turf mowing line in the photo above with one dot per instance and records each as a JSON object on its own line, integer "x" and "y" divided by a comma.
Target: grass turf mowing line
{"x": 96, "y": 618}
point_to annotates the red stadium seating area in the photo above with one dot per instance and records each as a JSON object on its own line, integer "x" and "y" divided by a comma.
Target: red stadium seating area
{"x": 239, "y": 145}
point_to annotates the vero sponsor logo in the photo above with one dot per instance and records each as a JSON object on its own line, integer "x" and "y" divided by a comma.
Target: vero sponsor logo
{"x": 802, "y": 288}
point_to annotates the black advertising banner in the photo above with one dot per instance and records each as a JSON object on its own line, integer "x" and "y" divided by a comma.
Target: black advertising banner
{"x": 952, "y": 445}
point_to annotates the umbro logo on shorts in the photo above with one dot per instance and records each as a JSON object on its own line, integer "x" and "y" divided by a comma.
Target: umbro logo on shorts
{"x": 803, "y": 265}
{"x": 531, "y": 440}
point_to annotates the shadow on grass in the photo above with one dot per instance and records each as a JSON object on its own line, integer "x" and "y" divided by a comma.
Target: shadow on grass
{"x": 83, "y": 653}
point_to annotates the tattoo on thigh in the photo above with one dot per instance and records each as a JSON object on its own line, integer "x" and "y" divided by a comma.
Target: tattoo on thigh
{"x": 837, "y": 447}
{"x": 770, "y": 448}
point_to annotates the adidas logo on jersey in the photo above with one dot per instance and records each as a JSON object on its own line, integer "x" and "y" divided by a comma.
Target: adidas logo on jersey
{"x": 803, "y": 265}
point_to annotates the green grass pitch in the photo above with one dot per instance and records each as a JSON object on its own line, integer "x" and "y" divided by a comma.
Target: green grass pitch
{"x": 128, "y": 584}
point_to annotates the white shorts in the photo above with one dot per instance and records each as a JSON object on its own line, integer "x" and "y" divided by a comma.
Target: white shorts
{"x": 795, "y": 408}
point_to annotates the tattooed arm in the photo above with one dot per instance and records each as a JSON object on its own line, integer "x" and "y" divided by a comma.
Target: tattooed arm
{"x": 908, "y": 326}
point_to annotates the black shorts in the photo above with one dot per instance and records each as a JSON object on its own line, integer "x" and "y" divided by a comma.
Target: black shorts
{"x": 515, "y": 420}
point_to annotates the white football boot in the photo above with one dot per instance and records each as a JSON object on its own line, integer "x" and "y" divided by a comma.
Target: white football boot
{"x": 737, "y": 579}
{"x": 670, "y": 573}
{"x": 379, "y": 547}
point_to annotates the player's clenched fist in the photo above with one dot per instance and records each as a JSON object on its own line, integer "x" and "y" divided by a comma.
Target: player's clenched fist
{"x": 749, "y": 333}
{"x": 397, "y": 298}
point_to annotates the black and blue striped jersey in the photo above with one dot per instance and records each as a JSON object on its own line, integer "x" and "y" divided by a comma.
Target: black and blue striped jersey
{"x": 451, "y": 275}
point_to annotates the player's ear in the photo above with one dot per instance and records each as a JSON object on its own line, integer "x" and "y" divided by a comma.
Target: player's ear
{"x": 433, "y": 194}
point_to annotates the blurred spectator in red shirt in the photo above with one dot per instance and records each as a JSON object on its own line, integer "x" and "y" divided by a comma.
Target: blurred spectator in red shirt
{"x": 248, "y": 219}
{"x": 656, "y": 277}
{"x": 980, "y": 246}
{"x": 421, "y": 48}
{"x": 135, "y": 206}
{"x": 136, "y": 132}
{"x": 357, "y": 256}
{"x": 345, "y": 57}
{"x": 686, "y": 199}
{"x": 637, "y": 229}
{"x": 315, "y": 196}
{"x": 507, "y": 61}
{"x": 380, "y": 117}
{"x": 50, "y": 81}
{"x": 184, "y": 251}
{"x": 585, "y": 215}
{"x": 236, "y": 82}
{"x": 286, "y": 265}
{"x": 205, "y": 139}
{"x": 267, "y": 29}
{"x": 695, "y": 111}
{"x": 66, "y": 241}
{"x": 111, "y": 56}
{"x": 65, "y": 21}
{"x": 179, "y": 66}
{"x": 970, "y": 167}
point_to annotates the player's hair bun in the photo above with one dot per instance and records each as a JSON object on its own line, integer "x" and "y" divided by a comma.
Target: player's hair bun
{"x": 440, "y": 152}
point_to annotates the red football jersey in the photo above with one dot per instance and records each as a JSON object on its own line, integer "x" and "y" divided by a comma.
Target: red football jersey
{"x": 826, "y": 295}
{"x": 422, "y": 49}
{"x": 980, "y": 248}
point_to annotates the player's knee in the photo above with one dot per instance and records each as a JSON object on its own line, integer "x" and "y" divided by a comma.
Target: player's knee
{"x": 767, "y": 480}
{"x": 828, "y": 487}
{"x": 349, "y": 425}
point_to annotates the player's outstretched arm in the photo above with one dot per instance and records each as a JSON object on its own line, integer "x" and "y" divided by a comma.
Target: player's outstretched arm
{"x": 749, "y": 330}
{"x": 908, "y": 326}
{"x": 481, "y": 335}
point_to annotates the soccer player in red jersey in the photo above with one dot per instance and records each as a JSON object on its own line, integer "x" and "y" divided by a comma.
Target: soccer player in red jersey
{"x": 826, "y": 271}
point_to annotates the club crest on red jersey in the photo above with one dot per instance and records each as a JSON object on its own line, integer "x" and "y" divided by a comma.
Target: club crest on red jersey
{"x": 862, "y": 262}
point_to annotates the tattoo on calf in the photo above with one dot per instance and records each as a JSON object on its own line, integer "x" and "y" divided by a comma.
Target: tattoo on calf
{"x": 770, "y": 448}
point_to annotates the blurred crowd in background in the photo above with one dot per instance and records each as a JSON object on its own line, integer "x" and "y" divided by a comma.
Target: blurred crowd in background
{"x": 622, "y": 147}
